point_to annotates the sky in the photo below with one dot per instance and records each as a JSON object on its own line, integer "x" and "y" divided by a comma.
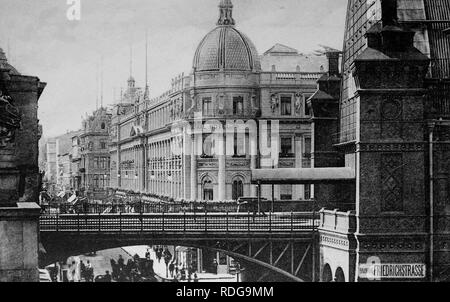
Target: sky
{"x": 40, "y": 40}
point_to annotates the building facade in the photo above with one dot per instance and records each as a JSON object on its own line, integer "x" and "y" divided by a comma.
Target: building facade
{"x": 20, "y": 179}
{"x": 161, "y": 146}
{"x": 91, "y": 155}
{"x": 57, "y": 162}
{"x": 394, "y": 128}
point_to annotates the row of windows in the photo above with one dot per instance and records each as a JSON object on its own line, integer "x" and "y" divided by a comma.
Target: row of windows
{"x": 101, "y": 146}
{"x": 237, "y": 190}
{"x": 241, "y": 145}
{"x": 286, "y": 106}
{"x": 100, "y": 181}
{"x": 101, "y": 163}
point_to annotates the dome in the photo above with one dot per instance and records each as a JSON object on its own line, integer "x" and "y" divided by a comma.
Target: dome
{"x": 226, "y": 48}
{"x": 5, "y": 65}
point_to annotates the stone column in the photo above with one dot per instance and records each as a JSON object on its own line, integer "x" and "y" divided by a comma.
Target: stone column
{"x": 194, "y": 185}
{"x": 253, "y": 159}
{"x": 222, "y": 168}
{"x": 298, "y": 190}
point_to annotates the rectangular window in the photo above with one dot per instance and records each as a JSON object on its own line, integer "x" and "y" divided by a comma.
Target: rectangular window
{"x": 240, "y": 144}
{"x": 286, "y": 192}
{"x": 305, "y": 105}
{"x": 307, "y": 148}
{"x": 207, "y": 107}
{"x": 103, "y": 145}
{"x": 238, "y": 105}
{"x": 307, "y": 192}
{"x": 286, "y": 105}
{"x": 286, "y": 146}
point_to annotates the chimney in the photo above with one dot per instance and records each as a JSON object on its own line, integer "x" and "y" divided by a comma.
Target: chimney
{"x": 333, "y": 62}
{"x": 389, "y": 12}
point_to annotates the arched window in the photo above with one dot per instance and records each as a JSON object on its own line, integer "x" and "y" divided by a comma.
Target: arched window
{"x": 238, "y": 189}
{"x": 339, "y": 276}
{"x": 208, "y": 189}
{"x": 327, "y": 274}
{"x": 103, "y": 126}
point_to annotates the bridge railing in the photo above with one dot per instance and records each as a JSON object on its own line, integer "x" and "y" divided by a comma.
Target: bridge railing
{"x": 195, "y": 207}
{"x": 181, "y": 222}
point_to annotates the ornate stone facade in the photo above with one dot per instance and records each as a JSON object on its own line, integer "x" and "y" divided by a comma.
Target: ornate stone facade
{"x": 229, "y": 82}
{"x": 387, "y": 132}
{"x": 20, "y": 180}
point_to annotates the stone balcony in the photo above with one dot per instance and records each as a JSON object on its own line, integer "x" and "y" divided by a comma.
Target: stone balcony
{"x": 340, "y": 222}
{"x": 289, "y": 78}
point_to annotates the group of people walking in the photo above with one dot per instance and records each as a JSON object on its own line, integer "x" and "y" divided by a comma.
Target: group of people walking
{"x": 176, "y": 271}
{"x": 134, "y": 270}
{"x": 79, "y": 272}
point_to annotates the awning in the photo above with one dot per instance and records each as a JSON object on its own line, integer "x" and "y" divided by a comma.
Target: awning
{"x": 72, "y": 199}
{"x": 302, "y": 176}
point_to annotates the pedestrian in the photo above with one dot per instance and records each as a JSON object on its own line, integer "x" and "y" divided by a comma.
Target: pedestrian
{"x": 159, "y": 255}
{"x": 215, "y": 265}
{"x": 107, "y": 277}
{"x": 89, "y": 272}
{"x": 121, "y": 262}
{"x": 69, "y": 274}
{"x": 171, "y": 268}
{"x": 147, "y": 254}
{"x": 82, "y": 271}
{"x": 195, "y": 277}
{"x": 75, "y": 272}
{"x": 183, "y": 274}
{"x": 114, "y": 269}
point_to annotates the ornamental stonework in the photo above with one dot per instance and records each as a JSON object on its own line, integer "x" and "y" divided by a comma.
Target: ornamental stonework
{"x": 335, "y": 242}
{"x": 391, "y": 147}
{"x": 10, "y": 120}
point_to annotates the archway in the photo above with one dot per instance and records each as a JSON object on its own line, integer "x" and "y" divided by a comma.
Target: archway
{"x": 339, "y": 276}
{"x": 327, "y": 274}
{"x": 207, "y": 189}
{"x": 56, "y": 251}
{"x": 237, "y": 188}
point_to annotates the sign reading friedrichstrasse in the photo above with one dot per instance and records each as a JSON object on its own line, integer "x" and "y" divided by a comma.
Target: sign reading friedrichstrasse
{"x": 378, "y": 271}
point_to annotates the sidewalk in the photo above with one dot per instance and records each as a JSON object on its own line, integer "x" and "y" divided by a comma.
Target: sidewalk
{"x": 160, "y": 267}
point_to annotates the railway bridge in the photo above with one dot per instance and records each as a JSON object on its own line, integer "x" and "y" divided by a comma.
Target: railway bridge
{"x": 283, "y": 243}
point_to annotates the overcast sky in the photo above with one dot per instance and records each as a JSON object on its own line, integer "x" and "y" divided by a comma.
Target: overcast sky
{"x": 66, "y": 54}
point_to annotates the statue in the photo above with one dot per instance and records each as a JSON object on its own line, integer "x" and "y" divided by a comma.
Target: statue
{"x": 273, "y": 102}
{"x": 9, "y": 120}
{"x": 193, "y": 96}
{"x": 298, "y": 103}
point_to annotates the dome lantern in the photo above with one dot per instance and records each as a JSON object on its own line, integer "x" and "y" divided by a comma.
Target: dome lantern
{"x": 226, "y": 13}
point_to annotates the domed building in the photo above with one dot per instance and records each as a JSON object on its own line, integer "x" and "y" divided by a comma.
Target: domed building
{"x": 177, "y": 154}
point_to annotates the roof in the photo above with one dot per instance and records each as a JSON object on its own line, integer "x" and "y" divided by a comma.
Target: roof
{"x": 288, "y": 62}
{"x": 281, "y": 49}
{"x": 302, "y": 176}
{"x": 226, "y": 48}
{"x": 321, "y": 95}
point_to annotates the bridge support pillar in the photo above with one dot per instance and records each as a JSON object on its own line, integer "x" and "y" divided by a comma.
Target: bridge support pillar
{"x": 19, "y": 243}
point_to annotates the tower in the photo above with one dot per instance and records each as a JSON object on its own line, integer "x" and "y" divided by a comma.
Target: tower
{"x": 385, "y": 109}
{"x": 20, "y": 180}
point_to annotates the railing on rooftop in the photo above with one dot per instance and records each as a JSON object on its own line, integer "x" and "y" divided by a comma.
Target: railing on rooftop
{"x": 290, "y": 76}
